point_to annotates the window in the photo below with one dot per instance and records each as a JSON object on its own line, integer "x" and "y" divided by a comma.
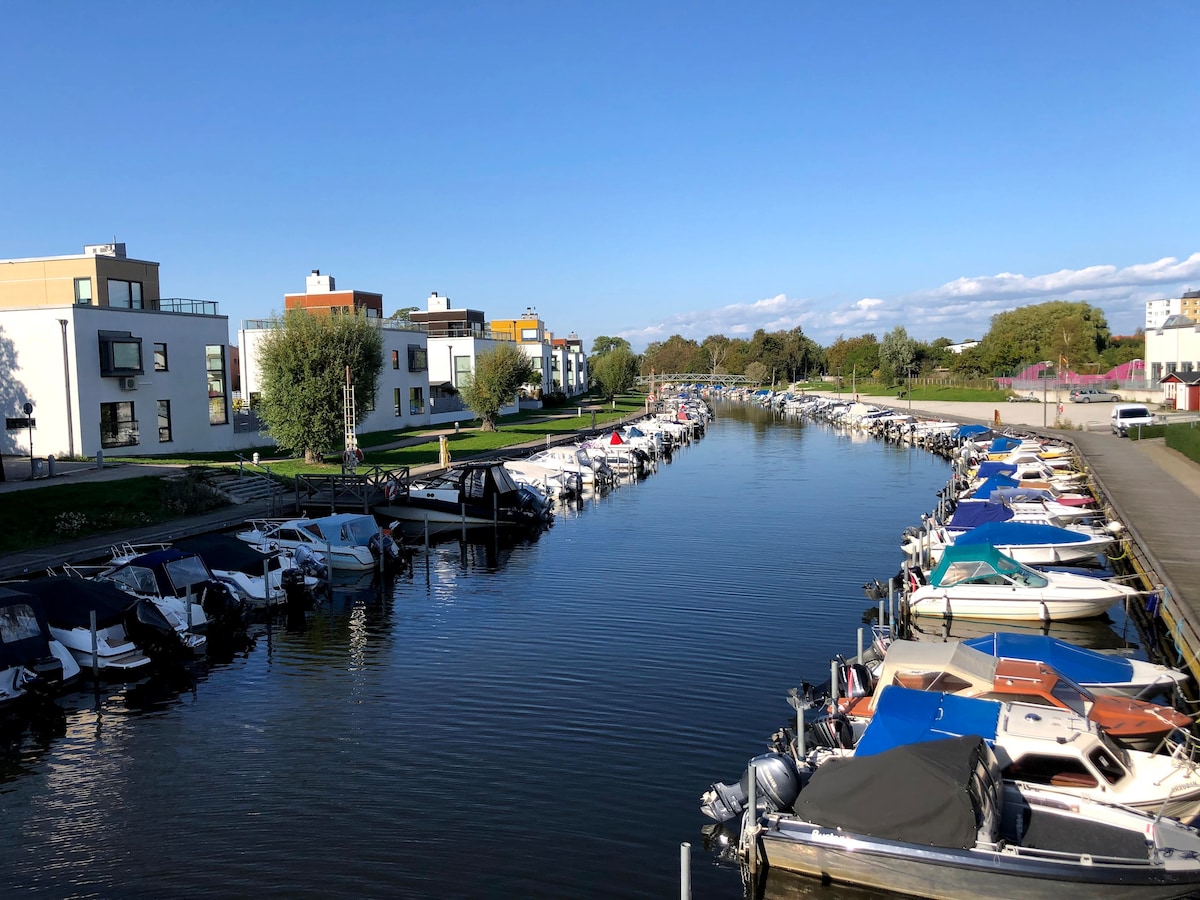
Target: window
{"x": 83, "y": 291}
{"x": 395, "y": 359}
{"x": 462, "y": 369}
{"x": 418, "y": 358}
{"x": 416, "y": 401}
{"x": 120, "y": 353}
{"x": 164, "y": 421}
{"x": 530, "y": 334}
{"x": 118, "y": 427}
{"x": 396, "y": 400}
{"x": 218, "y": 406}
{"x": 160, "y": 357}
{"x": 125, "y": 294}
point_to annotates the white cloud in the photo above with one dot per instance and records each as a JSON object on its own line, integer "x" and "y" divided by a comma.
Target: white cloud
{"x": 958, "y": 309}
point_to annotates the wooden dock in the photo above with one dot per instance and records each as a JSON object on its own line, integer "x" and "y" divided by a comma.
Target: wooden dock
{"x": 1155, "y": 493}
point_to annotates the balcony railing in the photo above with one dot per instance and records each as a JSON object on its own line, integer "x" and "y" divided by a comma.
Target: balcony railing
{"x": 119, "y": 434}
{"x": 188, "y": 307}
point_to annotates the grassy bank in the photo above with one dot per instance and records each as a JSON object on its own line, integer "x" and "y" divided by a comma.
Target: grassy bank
{"x": 62, "y": 512}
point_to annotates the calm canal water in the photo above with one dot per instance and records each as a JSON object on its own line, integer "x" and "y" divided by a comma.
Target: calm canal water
{"x": 535, "y": 720}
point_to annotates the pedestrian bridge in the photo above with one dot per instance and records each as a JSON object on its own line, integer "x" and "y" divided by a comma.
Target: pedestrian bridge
{"x": 706, "y": 378}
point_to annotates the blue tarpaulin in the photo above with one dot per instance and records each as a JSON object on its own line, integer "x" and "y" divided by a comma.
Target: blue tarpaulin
{"x": 966, "y": 431}
{"x": 994, "y": 467}
{"x": 1003, "y": 444}
{"x": 993, "y": 484}
{"x": 905, "y": 716}
{"x": 1017, "y": 534}
{"x": 1076, "y": 663}
{"x": 970, "y": 513}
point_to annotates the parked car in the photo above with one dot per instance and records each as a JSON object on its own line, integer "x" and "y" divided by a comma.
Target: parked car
{"x": 1093, "y": 395}
{"x": 1130, "y": 415}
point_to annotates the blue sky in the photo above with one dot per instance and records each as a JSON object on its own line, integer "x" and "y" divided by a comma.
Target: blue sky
{"x": 635, "y": 169}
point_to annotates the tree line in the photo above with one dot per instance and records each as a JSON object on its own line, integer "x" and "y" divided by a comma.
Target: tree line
{"x": 1063, "y": 334}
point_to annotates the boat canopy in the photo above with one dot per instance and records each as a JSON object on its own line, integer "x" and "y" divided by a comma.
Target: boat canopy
{"x": 222, "y": 551}
{"x": 1076, "y": 663}
{"x": 174, "y": 572}
{"x": 951, "y": 667}
{"x": 1015, "y": 534}
{"x": 931, "y": 794}
{"x": 994, "y": 467}
{"x": 1003, "y": 444}
{"x": 69, "y": 601}
{"x": 1014, "y": 493}
{"x": 24, "y": 635}
{"x": 994, "y": 483}
{"x": 906, "y": 716}
{"x": 981, "y": 564}
{"x": 970, "y": 513}
{"x": 343, "y": 528}
{"x": 967, "y": 431}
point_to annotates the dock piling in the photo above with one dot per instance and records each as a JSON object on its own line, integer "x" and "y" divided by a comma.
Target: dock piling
{"x": 95, "y": 646}
{"x": 685, "y": 871}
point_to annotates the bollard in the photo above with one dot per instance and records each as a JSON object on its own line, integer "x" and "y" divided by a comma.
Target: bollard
{"x": 685, "y": 871}
{"x": 50, "y": 466}
{"x": 578, "y": 411}
{"x": 99, "y": 459}
{"x": 95, "y": 647}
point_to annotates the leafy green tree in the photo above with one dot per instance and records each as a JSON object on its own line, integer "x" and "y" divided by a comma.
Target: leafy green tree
{"x": 303, "y": 361}
{"x": 1062, "y": 332}
{"x": 1123, "y": 349}
{"x": 854, "y": 356}
{"x": 757, "y": 372}
{"x": 677, "y": 354}
{"x": 493, "y": 385}
{"x": 801, "y": 354}
{"x": 716, "y": 349}
{"x": 897, "y": 352}
{"x": 615, "y": 372}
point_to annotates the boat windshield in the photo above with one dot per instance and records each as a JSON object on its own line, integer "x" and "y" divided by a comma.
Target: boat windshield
{"x": 359, "y": 531}
{"x": 1020, "y": 575}
{"x": 18, "y": 622}
{"x": 1072, "y": 696}
{"x": 135, "y": 579}
{"x": 186, "y": 572}
{"x": 1108, "y": 764}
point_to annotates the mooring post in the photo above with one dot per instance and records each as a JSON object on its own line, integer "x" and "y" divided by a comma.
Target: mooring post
{"x": 860, "y": 645}
{"x": 95, "y": 647}
{"x": 329, "y": 566}
{"x": 463, "y": 514}
{"x": 426, "y": 534}
{"x": 685, "y": 871}
{"x": 188, "y": 602}
{"x": 267, "y": 582}
{"x": 801, "y": 748}
{"x": 833, "y": 685}
{"x": 381, "y": 551}
{"x": 879, "y": 618}
{"x": 495, "y": 510}
{"x": 752, "y": 818}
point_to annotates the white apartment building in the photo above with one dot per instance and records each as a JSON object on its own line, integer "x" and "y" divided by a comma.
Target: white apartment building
{"x": 106, "y": 363}
{"x": 1158, "y": 311}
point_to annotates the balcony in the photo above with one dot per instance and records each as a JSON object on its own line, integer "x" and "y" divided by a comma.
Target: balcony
{"x": 188, "y": 307}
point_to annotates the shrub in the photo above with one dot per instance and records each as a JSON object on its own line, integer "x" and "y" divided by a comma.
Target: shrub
{"x": 1185, "y": 438}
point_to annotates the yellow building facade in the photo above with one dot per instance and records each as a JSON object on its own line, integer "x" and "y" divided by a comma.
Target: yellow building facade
{"x": 101, "y": 276}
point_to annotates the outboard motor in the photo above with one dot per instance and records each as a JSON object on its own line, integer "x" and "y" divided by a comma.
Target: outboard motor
{"x": 225, "y": 611}
{"x": 42, "y": 676}
{"x": 309, "y": 561}
{"x": 777, "y": 786}
{"x": 834, "y": 732}
{"x": 151, "y": 631}
{"x": 294, "y": 588}
{"x": 382, "y": 543}
{"x": 532, "y": 502}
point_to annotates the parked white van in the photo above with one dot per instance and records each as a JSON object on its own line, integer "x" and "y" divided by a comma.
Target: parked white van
{"x": 1130, "y": 415}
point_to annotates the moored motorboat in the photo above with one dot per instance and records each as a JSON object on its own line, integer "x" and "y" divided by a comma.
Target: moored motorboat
{"x": 32, "y": 661}
{"x": 935, "y": 820}
{"x": 351, "y": 541}
{"x": 470, "y": 495}
{"x": 978, "y": 581}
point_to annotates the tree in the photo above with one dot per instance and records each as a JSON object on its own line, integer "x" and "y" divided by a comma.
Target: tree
{"x": 304, "y": 359}
{"x": 858, "y": 355}
{"x": 1062, "y": 332}
{"x": 615, "y": 372}
{"x": 716, "y": 347}
{"x": 676, "y": 355}
{"x": 757, "y": 372}
{"x": 605, "y": 344}
{"x": 897, "y": 353}
{"x": 498, "y": 374}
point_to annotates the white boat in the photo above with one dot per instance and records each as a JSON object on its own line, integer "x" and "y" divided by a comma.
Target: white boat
{"x": 1103, "y": 673}
{"x": 572, "y": 458}
{"x": 1040, "y": 746}
{"x": 32, "y": 661}
{"x": 978, "y": 581}
{"x": 350, "y": 541}
{"x": 471, "y": 495}
{"x": 935, "y": 820}
{"x": 69, "y": 603}
{"x": 1028, "y": 542}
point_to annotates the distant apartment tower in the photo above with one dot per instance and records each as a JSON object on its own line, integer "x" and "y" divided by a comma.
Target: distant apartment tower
{"x": 1158, "y": 311}
{"x": 322, "y": 297}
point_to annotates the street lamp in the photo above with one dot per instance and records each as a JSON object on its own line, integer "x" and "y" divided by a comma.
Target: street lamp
{"x": 452, "y": 384}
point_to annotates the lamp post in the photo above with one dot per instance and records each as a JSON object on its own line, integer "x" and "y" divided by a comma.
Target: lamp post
{"x": 909, "y": 391}
{"x": 452, "y": 384}
{"x": 67, "y": 380}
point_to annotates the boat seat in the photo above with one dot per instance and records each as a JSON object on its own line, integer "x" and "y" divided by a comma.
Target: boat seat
{"x": 1072, "y": 779}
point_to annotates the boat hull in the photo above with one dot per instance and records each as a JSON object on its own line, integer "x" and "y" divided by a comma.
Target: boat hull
{"x": 945, "y": 604}
{"x": 945, "y": 874}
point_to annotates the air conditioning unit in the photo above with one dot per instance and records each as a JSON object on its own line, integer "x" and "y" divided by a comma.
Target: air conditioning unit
{"x": 128, "y": 383}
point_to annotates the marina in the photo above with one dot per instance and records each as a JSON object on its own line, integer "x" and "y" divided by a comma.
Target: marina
{"x": 504, "y": 686}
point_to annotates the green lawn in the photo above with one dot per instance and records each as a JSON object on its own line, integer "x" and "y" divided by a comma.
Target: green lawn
{"x": 61, "y": 512}
{"x": 924, "y": 392}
